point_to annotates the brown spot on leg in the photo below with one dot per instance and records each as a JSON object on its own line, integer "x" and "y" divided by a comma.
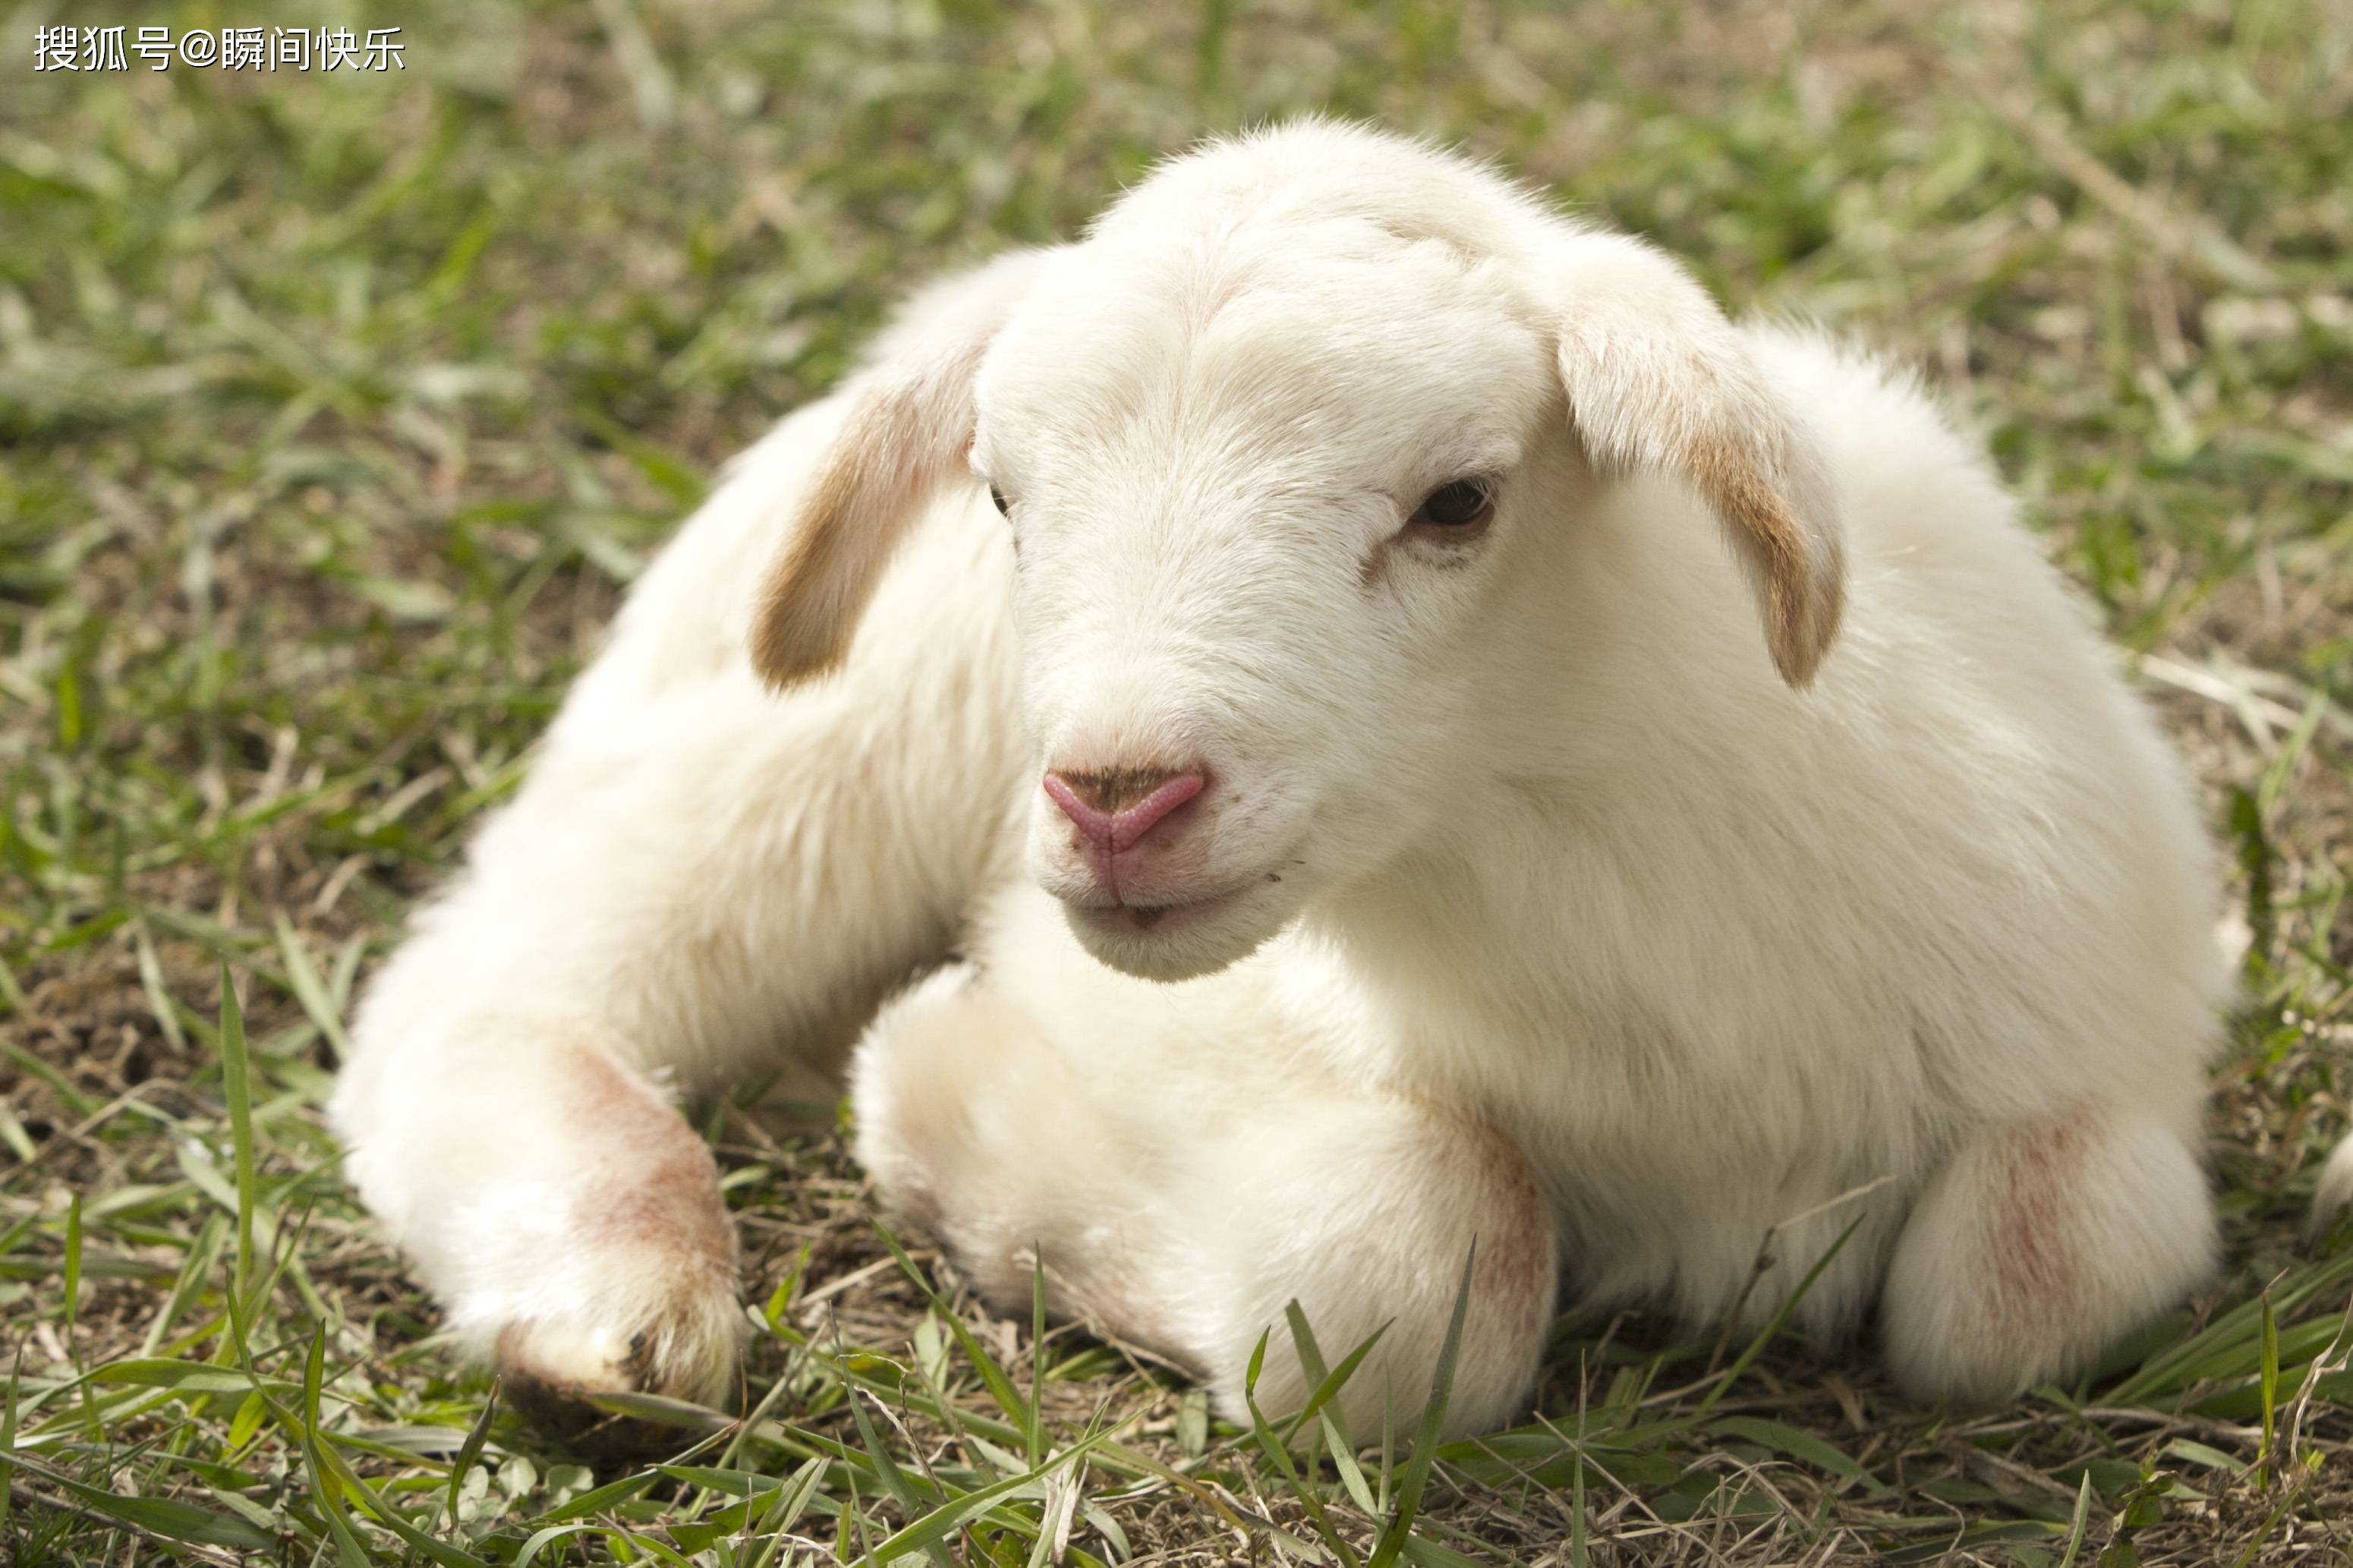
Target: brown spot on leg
{"x": 668, "y": 1199}
{"x": 1517, "y": 1270}
{"x": 2033, "y": 1278}
{"x": 652, "y": 1206}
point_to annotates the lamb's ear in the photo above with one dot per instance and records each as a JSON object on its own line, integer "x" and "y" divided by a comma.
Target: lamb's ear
{"x": 1658, "y": 380}
{"x": 908, "y": 427}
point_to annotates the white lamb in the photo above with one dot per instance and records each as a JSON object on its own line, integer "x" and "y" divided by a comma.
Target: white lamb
{"x": 1434, "y": 833}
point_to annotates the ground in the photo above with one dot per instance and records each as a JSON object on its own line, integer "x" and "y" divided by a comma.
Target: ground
{"x": 336, "y": 412}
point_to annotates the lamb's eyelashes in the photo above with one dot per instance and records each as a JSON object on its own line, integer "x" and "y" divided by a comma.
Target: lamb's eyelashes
{"x": 1457, "y": 509}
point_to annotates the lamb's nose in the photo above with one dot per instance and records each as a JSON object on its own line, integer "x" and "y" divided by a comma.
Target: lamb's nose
{"x": 1117, "y": 806}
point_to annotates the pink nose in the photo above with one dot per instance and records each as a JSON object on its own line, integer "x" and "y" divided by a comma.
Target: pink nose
{"x": 1117, "y": 806}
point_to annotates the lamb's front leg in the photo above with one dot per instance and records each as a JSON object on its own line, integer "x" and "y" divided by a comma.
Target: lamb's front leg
{"x": 699, "y": 882}
{"x": 634, "y": 927}
{"x": 561, "y": 1209}
{"x": 1182, "y": 1192}
{"x": 2041, "y": 1243}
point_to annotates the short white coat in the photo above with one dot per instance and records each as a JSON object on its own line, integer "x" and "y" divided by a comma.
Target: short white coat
{"x": 1746, "y": 833}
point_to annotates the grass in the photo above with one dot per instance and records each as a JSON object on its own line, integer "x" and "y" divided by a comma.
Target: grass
{"x": 335, "y": 414}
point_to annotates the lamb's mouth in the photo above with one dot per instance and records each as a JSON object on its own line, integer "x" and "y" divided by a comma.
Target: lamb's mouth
{"x": 1154, "y": 920}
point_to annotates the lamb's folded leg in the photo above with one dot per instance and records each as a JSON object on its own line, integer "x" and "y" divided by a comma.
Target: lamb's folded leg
{"x": 1182, "y": 1193}
{"x": 2039, "y": 1245}
{"x": 700, "y": 881}
{"x": 556, "y": 1204}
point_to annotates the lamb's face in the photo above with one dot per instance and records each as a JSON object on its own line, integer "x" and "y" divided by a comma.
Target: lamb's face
{"x": 1257, "y": 510}
{"x": 1275, "y": 441}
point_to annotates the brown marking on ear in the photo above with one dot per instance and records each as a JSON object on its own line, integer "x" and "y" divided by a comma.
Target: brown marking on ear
{"x": 909, "y": 427}
{"x": 1801, "y": 614}
{"x": 1657, "y": 380}
{"x": 811, "y": 599}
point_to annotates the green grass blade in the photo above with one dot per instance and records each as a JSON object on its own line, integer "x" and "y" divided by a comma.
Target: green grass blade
{"x": 2081, "y": 1522}
{"x": 931, "y": 1532}
{"x": 170, "y": 1520}
{"x": 1034, "y": 1428}
{"x": 8, "y": 1443}
{"x": 1416, "y": 1481}
{"x": 471, "y": 1451}
{"x": 236, "y": 1088}
{"x": 309, "y": 990}
{"x": 902, "y": 1488}
{"x": 1783, "y": 1439}
{"x": 1001, "y": 1387}
{"x": 1781, "y": 1320}
{"x": 1276, "y": 1449}
{"x": 2270, "y": 1354}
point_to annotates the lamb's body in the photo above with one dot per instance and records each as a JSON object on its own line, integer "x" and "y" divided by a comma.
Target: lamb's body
{"x": 1709, "y": 953}
{"x": 1671, "y": 955}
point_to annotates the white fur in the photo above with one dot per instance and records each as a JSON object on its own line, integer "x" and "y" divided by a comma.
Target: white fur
{"x": 1539, "y": 909}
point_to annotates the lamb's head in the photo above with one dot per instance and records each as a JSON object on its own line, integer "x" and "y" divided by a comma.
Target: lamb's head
{"x": 1273, "y": 443}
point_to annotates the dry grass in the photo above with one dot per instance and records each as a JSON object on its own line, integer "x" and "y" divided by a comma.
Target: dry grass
{"x": 334, "y": 414}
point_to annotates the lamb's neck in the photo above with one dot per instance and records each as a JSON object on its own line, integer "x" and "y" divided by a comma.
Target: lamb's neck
{"x": 1456, "y": 924}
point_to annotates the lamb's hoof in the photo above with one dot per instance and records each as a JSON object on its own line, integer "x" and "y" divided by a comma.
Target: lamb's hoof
{"x": 562, "y": 1416}
{"x": 550, "y": 1373}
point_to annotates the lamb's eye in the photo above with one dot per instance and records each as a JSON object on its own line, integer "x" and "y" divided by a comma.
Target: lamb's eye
{"x": 1004, "y": 507}
{"x": 1465, "y": 503}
